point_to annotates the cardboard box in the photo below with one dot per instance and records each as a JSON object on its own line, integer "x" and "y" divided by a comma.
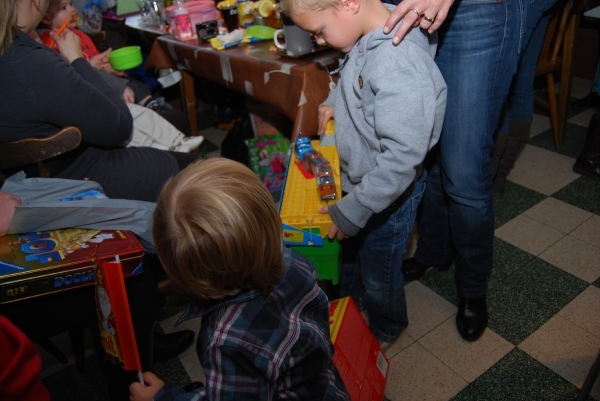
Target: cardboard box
{"x": 358, "y": 357}
{"x": 39, "y": 263}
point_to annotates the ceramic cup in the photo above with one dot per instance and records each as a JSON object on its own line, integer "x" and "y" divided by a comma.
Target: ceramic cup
{"x": 297, "y": 41}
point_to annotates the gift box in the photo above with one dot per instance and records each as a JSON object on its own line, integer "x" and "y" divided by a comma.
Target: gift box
{"x": 39, "y": 263}
{"x": 358, "y": 357}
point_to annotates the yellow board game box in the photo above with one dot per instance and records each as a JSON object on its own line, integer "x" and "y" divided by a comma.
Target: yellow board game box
{"x": 39, "y": 263}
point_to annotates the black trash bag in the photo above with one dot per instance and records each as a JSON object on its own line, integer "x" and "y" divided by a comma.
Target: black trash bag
{"x": 234, "y": 146}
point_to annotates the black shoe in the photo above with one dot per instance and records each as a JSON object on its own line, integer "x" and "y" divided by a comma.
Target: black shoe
{"x": 413, "y": 270}
{"x": 588, "y": 165}
{"x": 167, "y": 346}
{"x": 472, "y": 317}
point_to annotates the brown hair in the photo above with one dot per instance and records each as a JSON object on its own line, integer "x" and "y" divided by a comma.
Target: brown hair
{"x": 8, "y": 23}
{"x": 217, "y": 231}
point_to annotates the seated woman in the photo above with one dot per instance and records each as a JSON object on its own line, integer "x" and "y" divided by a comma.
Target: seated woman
{"x": 43, "y": 91}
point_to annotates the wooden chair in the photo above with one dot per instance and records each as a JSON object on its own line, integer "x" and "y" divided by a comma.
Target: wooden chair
{"x": 34, "y": 151}
{"x": 556, "y": 57}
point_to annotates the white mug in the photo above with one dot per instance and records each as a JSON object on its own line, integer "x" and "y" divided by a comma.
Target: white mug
{"x": 297, "y": 41}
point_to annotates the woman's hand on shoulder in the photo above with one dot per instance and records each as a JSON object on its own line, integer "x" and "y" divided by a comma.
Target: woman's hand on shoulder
{"x": 68, "y": 44}
{"x": 430, "y": 14}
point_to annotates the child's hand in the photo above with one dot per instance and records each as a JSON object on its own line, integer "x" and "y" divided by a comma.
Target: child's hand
{"x": 325, "y": 114}
{"x": 146, "y": 393}
{"x": 99, "y": 60}
{"x": 128, "y": 95}
{"x": 68, "y": 45}
{"x": 334, "y": 231}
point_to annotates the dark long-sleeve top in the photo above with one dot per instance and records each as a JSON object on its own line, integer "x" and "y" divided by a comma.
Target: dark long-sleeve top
{"x": 41, "y": 93}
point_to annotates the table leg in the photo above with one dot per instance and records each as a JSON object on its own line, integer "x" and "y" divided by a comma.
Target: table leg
{"x": 188, "y": 99}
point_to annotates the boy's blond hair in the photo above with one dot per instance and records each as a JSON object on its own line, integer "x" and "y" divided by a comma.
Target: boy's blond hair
{"x": 217, "y": 231}
{"x": 8, "y": 24}
{"x": 291, "y": 7}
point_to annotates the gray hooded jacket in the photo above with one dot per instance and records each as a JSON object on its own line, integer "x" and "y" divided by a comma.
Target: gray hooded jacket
{"x": 389, "y": 107}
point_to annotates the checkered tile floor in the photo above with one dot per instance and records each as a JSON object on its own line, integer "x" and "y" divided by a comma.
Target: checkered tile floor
{"x": 544, "y": 294}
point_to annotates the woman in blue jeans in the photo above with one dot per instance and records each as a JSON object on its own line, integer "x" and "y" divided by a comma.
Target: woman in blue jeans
{"x": 478, "y": 52}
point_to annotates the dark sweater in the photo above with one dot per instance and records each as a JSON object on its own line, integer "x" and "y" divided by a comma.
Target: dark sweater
{"x": 42, "y": 93}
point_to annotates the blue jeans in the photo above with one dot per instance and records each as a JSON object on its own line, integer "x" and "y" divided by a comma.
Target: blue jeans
{"x": 477, "y": 55}
{"x": 372, "y": 264}
{"x": 520, "y": 98}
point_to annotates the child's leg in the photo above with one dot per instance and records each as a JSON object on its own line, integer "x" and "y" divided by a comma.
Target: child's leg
{"x": 149, "y": 124}
{"x": 383, "y": 244}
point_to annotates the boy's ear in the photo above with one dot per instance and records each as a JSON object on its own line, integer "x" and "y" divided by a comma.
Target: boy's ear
{"x": 350, "y": 5}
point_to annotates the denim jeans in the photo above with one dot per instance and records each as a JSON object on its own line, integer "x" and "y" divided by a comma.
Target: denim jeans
{"x": 372, "y": 264}
{"x": 520, "y": 98}
{"x": 477, "y": 55}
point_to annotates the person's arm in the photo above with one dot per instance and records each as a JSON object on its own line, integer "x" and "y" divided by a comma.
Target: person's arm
{"x": 8, "y": 202}
{"x": 407, "y": 116}
{"x": 75, "y": 95}
{"x": 430, "y": 14}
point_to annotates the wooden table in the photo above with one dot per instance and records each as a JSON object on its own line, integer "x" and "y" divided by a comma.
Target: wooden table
{"x": 294, "y": 86}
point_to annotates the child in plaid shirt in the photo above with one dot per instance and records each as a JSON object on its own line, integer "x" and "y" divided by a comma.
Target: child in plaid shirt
{"x": 265, "y": 321}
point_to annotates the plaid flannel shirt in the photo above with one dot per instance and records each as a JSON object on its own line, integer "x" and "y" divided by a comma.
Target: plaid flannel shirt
{"x": 278, "y": 347}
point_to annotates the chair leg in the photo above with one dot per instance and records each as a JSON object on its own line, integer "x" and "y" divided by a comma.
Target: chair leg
{"x": 76, "y": 335}
{"x": 52, "y": 350}
{"x": 590, "y": 379}
{"x": 566, "y": 75}
{"x": 552, "y": 105}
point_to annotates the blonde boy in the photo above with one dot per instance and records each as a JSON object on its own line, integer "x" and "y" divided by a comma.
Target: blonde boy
{"x": 389, "y": 107}
{"x": 265, "y": 321}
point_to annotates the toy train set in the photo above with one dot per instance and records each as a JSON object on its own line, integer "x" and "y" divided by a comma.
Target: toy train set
{"x": 304, "y": 228}
{"x": 313, "y": 162}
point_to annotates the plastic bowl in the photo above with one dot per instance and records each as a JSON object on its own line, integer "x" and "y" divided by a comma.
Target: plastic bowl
{"x": 260, "y": 32}
{"x": 125, "y": 58}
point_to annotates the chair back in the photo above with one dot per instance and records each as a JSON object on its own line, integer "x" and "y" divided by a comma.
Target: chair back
{"x": 556, "y": 58}
{"x": 550, "y": 56}
{"x": 35, "y": 150}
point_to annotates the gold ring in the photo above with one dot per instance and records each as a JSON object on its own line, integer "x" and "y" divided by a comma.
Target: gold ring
{"x": 432, "y": 20}
{"x": 413, "y": 10}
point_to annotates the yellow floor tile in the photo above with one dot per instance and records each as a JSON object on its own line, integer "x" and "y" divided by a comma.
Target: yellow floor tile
{"x": 529, "y": 234}
{"x": 467, "y": 359}
{"x": 416, "y": 375}
{"x": 565, "y": 348}
{"x": 576, "y": 257}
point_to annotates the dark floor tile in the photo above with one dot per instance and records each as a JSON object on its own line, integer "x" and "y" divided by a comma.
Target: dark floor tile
{"x": 442, "y": 283}
{"x": 597, "y": 283}
{"x": 524, "y": 292}
{"x": 207, "y": 147}
{"x": 205, "y": 119}
{"x": 518, "y": 377}
{"x": 572, "y": 110}
{"x": 572, "y": 141}
{"x": 71, "y": 385}
{"x": 516, "y": 200}
{"x": 176, "y": 303}
{"x": 171, "y": 372}
{"x": 584, "y": 193}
